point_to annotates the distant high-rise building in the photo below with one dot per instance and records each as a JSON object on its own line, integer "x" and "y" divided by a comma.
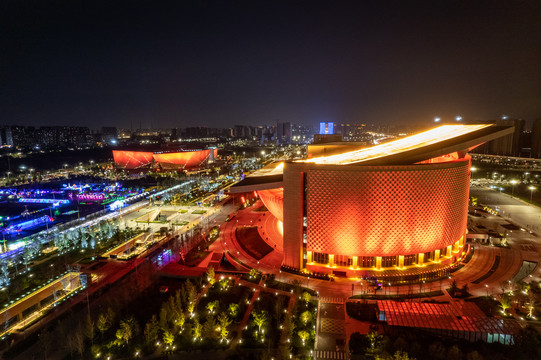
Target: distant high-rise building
{"x": 109, "y": 135}
{"x": 244, "y": 131}
{"x": 536, "y": 139}
{"x": 508, "y": 145}
{"x": 326, "y": 128}
{"x": 63, "y": 136}
{"x": 283, "y": 132}
{"x": 352, "y": 132}
{"x": 17, "y": 136}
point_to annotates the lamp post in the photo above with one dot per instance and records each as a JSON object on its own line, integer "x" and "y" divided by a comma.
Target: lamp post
{"x": 473, "y": 169}
{"x": 513, "y": 183}
{"x": 532, "y": 189}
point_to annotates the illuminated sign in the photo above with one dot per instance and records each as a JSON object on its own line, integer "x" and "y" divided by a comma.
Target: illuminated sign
{"x": 55, "y": 202}
{"x": 91, "y": 197}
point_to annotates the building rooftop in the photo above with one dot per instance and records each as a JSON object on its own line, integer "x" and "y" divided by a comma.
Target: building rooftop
{"x": 458, "y": 316}
{"x": 429, "y": 144}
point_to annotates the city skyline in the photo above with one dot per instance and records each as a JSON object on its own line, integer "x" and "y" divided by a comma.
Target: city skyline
{"x": 217, "y": 65}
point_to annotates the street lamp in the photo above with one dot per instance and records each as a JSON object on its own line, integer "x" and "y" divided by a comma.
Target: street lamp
{"x": 513, "y": 183}
{"x": 473, "y": 169}
{"x": 532, "y": 189}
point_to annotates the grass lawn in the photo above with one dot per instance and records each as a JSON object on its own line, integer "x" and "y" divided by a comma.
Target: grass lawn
{"x": 182, "y": 223}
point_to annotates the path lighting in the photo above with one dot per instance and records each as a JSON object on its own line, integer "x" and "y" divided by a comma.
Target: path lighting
{"x": 532, "y": 189}
{"x": 513, "y": 183}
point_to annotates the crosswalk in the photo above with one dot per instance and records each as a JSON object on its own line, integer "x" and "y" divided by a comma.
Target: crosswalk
{"x": 332, "y": 300}
{"x": 322, "y": 354}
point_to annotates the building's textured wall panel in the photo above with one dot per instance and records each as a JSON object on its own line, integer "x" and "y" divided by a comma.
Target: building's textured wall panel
{"x": 385, "y": 211}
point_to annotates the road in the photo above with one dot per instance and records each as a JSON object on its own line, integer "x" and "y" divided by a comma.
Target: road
{"x": 520, "y": 212}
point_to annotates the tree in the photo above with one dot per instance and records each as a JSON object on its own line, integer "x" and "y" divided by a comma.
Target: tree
{"x": 505, "y": 303}
{"x": 191, "y": 296}
{"x": 260, "y": 319}
{"x": 400, "y": 344}
{"x": 224, "y": 284}
{"x": 179, "y": 317}
{"x": 437, "y": 350}
{"x": 152, "y": 329}
{"x": 304, "y": 335}
{"x": 196, "y": 329}
{"x": 90, "y": 329}
{"x": 374, "y": 339}
{"x": 306, "y": 317}
{"x": 454, "y": 353}
{"x": 530, "y": 305}
{"x": 168, "y": 338}
{"x": 234, "y": 310}
{"x": 212, "y": 306}
{"x": 306, "y": 297}
{"x": 254, "y": 274}
{"x": 164, "y": 317}
{"x": 209, "y": 327}
{"x": 224, "y": 322}
{"x": 126, "y": 331}
{"x": 211, "y": 276}
{"x": 104, "y": 323}
{"x": 79, "y": 340}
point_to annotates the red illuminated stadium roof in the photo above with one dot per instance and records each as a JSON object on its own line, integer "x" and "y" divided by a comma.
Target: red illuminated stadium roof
{"x": 168, "y": 160}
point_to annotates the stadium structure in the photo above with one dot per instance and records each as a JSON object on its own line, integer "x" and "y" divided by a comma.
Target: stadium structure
{"x": 167, "y": 161}
{"x": 393, "y": 206}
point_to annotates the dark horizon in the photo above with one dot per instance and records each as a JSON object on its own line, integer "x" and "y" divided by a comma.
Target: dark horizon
{"x": 219, "y": 64}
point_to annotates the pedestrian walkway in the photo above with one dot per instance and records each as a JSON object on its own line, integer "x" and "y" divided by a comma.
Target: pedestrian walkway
{"x": 321, "y": 354}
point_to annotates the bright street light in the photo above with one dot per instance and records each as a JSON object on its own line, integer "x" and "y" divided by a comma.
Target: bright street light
{"x": 458, "y": 118}
{"x": 532, "y": 189}
{"x": 437, "y": 119}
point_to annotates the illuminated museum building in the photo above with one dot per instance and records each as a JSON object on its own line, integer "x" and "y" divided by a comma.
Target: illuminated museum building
{"x": 395, "y": 205}
{"x": 173, "y": 160}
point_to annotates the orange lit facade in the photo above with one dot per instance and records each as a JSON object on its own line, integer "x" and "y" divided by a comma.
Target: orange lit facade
{"x": 394, "y": 206}
{"x": 132, "y": 160}
{"x": 375, "y": 217}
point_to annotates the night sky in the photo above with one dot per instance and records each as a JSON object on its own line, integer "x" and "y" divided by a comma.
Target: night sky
{"x": 221, "y": 63}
